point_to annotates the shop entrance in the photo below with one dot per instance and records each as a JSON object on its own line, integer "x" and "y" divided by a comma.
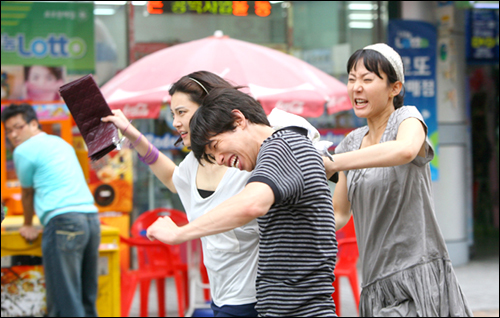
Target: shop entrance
{"x": 484, "y": 112}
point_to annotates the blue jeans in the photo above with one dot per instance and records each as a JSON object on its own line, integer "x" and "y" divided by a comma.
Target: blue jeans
{"x": 247, "y": 310}
{"x": 70, "y": 247}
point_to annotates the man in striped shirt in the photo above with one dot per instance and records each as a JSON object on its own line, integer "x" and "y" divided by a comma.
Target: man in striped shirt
{"x": 288, "y": 193}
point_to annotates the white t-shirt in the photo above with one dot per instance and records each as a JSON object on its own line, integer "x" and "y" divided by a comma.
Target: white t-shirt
{"x": 231, "y": 257}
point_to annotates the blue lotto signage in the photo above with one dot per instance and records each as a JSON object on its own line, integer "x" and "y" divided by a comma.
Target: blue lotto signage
{"x": 416, "y": 42}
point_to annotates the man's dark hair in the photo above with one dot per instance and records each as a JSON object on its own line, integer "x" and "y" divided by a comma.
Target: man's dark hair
{"x": 376, "y": 62}
{"x": 215, "y": 117}
{"x": 26, "y": 110}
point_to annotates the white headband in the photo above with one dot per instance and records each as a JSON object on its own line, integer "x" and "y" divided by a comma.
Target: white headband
{"x": 199, "y": 84}
{"x": 392, "y": 56}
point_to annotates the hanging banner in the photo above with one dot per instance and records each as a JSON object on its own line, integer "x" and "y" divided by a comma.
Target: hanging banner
{"x": 416, "y": 42}
{"x": 481, "y": 36}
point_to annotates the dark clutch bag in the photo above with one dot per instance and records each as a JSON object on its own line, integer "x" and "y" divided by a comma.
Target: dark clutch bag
{"x": 87, "y": 106}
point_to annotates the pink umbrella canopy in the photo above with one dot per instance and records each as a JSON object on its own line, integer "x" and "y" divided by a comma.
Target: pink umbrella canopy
{"x": 274, "y": 78}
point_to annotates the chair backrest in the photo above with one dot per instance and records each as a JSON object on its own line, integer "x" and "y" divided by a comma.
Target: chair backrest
{"x": 147, "y": 218}
{"x": 347, "y": 230}
{"x": 153, "y": 257}
{"x": 347, "y": 246}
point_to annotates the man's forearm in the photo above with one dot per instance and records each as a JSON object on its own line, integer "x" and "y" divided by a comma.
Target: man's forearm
{"x": 252, "y": 202}
{"x": 28, "y": 205}
{"x": 229, "y": 215}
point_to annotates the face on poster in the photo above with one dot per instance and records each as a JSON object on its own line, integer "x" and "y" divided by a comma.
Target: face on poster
{"x": 41, "y": 83}
{"x": 34, "y": 82}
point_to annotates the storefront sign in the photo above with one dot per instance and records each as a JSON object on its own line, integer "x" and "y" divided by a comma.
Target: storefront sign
{"x": 416, "y": 42}
{"x": 482, "y": 36}
{"x": 140, "y": 110}
{"x": 165, "y": 142}
{"x": 235, "y": 8}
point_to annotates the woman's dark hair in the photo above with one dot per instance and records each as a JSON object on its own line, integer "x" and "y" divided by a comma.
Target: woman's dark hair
{"x": 215, "y": 117}
{"x": 376, "y": 62}
{"x": 190, "y": 85}
{"x": 26, "y": 110}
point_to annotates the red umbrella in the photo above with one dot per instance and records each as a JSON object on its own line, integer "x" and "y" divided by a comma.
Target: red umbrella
{"x": 274, "y": 78}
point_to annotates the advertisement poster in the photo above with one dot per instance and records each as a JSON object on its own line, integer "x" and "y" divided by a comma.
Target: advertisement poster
{"x": 50, "y": 34}
{"x": 481, "y": 36}
{"x": 111, "y": 180}
{"x": 416, "y": 42}
{"x": 44, "y": 45}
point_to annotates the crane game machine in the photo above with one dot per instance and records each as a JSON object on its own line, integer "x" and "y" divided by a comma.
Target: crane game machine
{"x": 110, "y": 182}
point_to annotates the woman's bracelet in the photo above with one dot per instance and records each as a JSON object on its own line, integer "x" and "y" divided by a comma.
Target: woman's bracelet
{"x": 151, "y": 155}
{"x": 123, "y": 133}
{"x": 135, "y": 143}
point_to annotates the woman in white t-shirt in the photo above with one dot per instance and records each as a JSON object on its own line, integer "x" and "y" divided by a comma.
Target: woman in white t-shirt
{"x": 230, "y": 257}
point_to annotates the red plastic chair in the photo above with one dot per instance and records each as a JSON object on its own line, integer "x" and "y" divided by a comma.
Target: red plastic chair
{"x": 175, "y": 260}
{"x": 130, "y": 278}
{"x": 347, "y": 258}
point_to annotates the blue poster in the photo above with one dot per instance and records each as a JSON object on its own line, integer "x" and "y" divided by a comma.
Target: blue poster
{"x": 481, "y": 36}
{"x": 416, "y": 42}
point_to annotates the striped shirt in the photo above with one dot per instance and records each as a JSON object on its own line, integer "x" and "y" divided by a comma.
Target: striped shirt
{"x": 298, "y": 248}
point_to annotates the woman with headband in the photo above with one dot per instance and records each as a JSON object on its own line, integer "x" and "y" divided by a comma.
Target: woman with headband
{"x": 231, "y": 257}
{"x": 385, "y": 181}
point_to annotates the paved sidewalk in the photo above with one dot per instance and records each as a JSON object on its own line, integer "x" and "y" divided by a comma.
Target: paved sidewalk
{"x": 479, "y": 282}
{"x": 478, "y": 278}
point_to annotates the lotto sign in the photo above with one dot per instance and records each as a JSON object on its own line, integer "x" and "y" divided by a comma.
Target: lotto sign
{"x": 52, "y": 34}
{"x": 416, "y": 42}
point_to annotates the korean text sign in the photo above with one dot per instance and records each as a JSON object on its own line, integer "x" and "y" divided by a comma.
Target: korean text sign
{"x": 236, "y": 8}
{"x": 416, "y": 42}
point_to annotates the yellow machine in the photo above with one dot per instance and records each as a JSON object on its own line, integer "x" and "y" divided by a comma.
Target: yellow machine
{"x": 22, "y": 285}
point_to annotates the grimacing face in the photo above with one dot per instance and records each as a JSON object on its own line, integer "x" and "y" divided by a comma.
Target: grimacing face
{"x": 236, "y": 148}
{"x": 369, "y": 94}
{"x": 182, "y": 110}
